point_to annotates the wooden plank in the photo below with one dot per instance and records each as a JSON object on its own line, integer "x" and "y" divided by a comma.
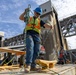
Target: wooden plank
{"x": 8, "y": 67}
{"x": 46, "y": 64}
{"x": 17, "y": 52}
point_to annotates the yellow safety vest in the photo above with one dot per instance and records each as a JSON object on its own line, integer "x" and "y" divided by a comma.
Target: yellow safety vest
{"x": 33, "y": 25}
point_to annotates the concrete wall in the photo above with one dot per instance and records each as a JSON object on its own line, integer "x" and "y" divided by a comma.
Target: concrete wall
{"x": 46, "y": 7}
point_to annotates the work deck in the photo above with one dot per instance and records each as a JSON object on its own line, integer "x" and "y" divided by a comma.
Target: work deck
{"x": 67, "y": 69}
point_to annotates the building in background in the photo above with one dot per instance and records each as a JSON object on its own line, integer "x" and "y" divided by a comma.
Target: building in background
{"x": 1, "y": 38}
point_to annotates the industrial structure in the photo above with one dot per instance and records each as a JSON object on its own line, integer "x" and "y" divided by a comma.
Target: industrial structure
{"x": 53, "y": 40}
{"x": 1, "y": 38}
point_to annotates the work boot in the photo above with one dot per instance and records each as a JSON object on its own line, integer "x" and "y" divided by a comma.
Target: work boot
{"x": 36, "y": 68}
{"x": 27, "y": 68}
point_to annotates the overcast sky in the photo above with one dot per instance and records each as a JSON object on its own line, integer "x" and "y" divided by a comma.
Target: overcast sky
{"x": 11, "y": 9}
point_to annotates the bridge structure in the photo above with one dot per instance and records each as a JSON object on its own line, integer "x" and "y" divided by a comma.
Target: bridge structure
{"x": 53, "y": 39}
{"x": 67, "y": 25}
{"x": 68, "y": 28}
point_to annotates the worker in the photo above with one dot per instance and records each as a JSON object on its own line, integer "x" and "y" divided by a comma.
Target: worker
{"x": 62, "y": 56}
{"x": 33, "y": 29}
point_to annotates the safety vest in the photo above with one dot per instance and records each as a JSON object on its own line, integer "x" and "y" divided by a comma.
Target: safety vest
{"x": 33, "y": 24}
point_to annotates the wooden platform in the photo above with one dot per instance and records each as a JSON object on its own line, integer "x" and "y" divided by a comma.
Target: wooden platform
{"x": 45, "y": 64}
{"x": 17, "y": 52}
